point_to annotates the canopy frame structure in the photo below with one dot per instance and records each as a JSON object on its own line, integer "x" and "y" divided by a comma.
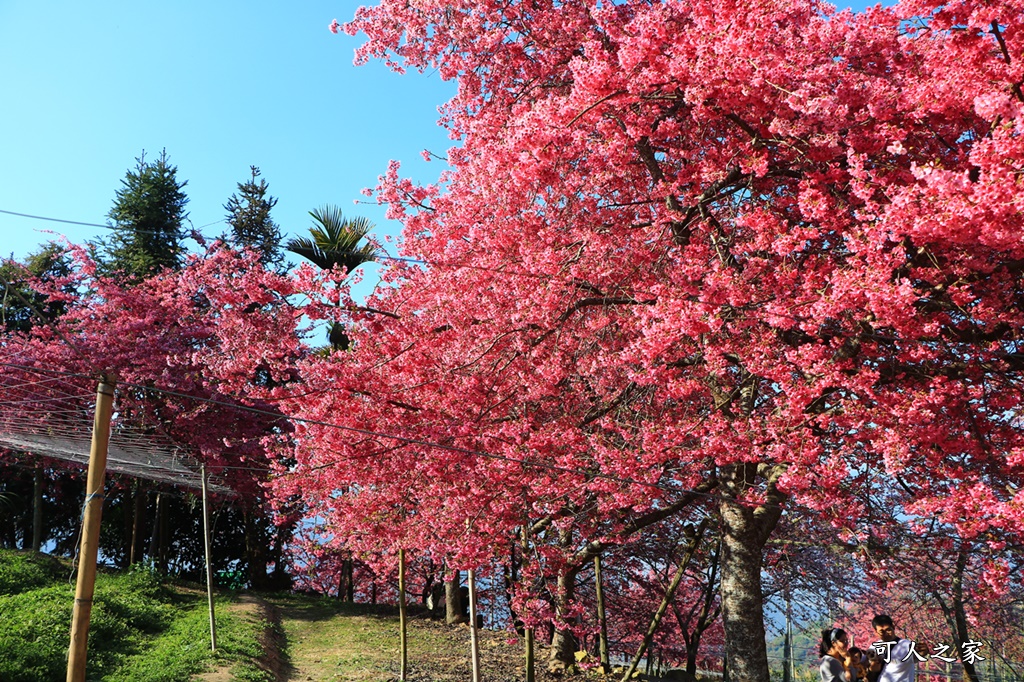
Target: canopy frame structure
{"x": 46, "y": 413}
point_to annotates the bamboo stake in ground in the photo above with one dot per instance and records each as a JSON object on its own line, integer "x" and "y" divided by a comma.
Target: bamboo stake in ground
{"x": 474, "y": 638}
{"x": 603, "y": 646}
{"x": 91, "y": 515}
{"x": 666, "y": 600}
{"x": 209, "y": 568}
{"x": 402, "y": 618}
{"x": 530, "y": 677}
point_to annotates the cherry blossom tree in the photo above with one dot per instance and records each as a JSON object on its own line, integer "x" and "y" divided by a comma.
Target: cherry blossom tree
{"x": 193, "y": 349}
{"x": 758, "y": 254}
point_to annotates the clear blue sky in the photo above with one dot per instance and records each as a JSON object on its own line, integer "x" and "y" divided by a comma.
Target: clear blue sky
{"x": 221, "y": 85}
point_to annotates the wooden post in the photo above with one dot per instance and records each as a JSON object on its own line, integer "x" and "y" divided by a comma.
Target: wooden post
{"x": 529, "y": 656}
{"x": 209, "y": 568}
{"x": 603, "y": 636}
{"x": 474, "y": 639}
{"x": 92, "y": 512}
{"x": 402, "y": 618}
{"x": 788, "y": 673}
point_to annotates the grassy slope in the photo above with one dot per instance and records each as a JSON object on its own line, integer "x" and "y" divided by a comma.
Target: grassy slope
{"x": 141, "y": 630}
{"x": 330, "y": 640}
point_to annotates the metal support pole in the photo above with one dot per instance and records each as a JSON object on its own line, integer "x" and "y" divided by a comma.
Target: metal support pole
{"x": 91, "y": 515}
{"x": 209, "y": 568}
{"x": 474, "y": 638}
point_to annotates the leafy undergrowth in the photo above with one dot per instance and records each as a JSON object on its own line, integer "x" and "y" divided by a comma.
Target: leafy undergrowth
{"x": 141, "y": 630}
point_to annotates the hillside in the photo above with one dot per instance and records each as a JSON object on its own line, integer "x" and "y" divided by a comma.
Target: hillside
{"x": 147, "y": 630}
{"x": 142, "y": 629}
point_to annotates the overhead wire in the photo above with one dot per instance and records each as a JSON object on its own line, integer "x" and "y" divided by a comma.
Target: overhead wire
{"x": 100, "y": 225}
{"x": 377, "y": 257}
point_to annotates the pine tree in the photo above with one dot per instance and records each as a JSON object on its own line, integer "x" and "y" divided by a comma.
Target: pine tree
{"x": 250, "y": 221}
{"x": 147, "y": 218}
{"x": 20, "y": 305}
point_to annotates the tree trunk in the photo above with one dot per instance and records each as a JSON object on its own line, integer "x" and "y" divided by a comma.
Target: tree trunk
{"x": 666, "y": 600}
{"x": 530, "y": 674}
{"x": 453, "y": 600}
{"x": 563, "y": 642}
{"x": 602, "y": 639}
{"x": 138, "y": 522}
{"x": 162, "y": 534}
{"x": 745, "y": 530}
{"x": 350, "y": 580}
{"x": 960, "y": 614}
{"x": 37, "y": 510}
{"x": 255, "y": 550}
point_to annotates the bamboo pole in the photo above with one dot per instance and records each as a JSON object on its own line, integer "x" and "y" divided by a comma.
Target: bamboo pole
{"x": 790, "y": 669}
{"x": 474, "y": 637}
{"x": 663, "y": 607}
{"x": 603, "y": 636}
{"x": 402, "y": 618}
{"x": 530, "y": 675}
{"x": 91, "y": 515}
{"x": 209, "y": 568}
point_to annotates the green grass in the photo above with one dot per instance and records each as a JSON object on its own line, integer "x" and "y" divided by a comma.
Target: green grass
{"x": 141, "y": 630}
{"x": 21, "y": 571}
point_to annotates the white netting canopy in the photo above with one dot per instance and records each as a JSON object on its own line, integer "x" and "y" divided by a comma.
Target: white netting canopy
{"x": 50, "y": 414}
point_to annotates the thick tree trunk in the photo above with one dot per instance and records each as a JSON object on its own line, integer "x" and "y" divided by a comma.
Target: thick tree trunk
{"x": 563, "y": 641}
{"x": 453, "y": 605}
{"x": 744, "y": 531}
{"x": 350, "y": 580}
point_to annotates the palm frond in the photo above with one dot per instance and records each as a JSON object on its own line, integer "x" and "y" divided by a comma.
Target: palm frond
{"x": 335, "y": 240}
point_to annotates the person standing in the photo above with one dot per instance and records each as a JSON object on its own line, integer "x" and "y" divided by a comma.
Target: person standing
{"x": 897, "y": 661}
{"x": 834, "y": 650}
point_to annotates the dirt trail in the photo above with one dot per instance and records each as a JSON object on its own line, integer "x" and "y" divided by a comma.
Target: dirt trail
{"x": 273, "y": 643}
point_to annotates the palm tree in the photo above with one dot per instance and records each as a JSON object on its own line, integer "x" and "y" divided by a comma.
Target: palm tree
{"x": 335, "y": 241}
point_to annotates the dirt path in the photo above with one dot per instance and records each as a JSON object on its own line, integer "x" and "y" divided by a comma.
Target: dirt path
{"x": 252, "y": 606}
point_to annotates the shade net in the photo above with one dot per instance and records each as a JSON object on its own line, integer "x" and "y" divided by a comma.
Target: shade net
{"x": 49, "y": 414}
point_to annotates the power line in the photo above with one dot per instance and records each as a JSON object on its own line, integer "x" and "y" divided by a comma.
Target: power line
{"x": 378, "y": 257}
{"x": 93, "y": 224}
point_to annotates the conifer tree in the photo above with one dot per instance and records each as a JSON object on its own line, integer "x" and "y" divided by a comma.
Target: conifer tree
{"x": 251, "y": 225}
{"x": 147, "y": 218}
{"x": 20, "y": 305}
